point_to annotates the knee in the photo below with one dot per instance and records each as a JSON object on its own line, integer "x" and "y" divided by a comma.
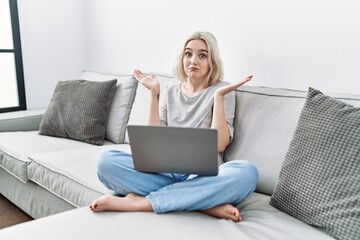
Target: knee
{"x": 244, "y": 171}
{"x": 110, "y": 162}
{"x": 251, "y": 171}
{"x": 104, "y": 162}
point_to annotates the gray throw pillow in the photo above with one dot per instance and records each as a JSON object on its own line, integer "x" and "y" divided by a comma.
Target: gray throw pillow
{"x": 319, "y": 182}
{"x": 79, "y": 110}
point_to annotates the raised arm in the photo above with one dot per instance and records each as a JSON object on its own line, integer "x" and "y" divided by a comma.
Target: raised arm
{"x": 151, "y": 83}
{"x": 219, "y": 118}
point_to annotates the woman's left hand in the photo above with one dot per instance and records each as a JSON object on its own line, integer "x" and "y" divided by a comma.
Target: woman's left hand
{"x": 222, "y": 91}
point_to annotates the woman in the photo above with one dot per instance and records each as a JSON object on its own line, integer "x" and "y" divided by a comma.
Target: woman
{"x": 198, "y": 101}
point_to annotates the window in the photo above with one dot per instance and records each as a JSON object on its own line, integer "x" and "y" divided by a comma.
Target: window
{"x": 12, "y": 90}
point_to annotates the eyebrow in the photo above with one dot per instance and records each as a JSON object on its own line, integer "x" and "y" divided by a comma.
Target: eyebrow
{"x": 201, "y": 50}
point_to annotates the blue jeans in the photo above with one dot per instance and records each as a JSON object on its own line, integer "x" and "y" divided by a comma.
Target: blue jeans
{"x": 169, "y": 192}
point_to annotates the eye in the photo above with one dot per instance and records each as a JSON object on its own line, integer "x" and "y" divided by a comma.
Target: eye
{"x": 202, "y": 56}
{"x": 188, "y": 54}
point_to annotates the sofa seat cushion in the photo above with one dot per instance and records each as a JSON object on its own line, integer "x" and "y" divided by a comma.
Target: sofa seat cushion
{"x": 15, "y": 147}
{"x": 71, "y": 174}
{"x": 261, "y": 221}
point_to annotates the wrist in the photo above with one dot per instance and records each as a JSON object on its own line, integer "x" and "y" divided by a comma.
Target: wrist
{"x": 218, "y": 95}
{"x": 155, "y": 94}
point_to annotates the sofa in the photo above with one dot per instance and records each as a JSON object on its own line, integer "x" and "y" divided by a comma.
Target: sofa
{"x": 53, "y": 179}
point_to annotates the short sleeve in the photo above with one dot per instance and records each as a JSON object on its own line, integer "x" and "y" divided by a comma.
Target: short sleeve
{"x": 229, "y": 107}
{"x": 163, "y": 107}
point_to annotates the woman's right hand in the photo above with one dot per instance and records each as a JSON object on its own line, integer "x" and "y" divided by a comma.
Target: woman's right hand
{"x": 150, "y": 82}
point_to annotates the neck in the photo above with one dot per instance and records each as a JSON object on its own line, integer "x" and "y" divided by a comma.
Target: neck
{"x": 192, "y": 87}
{"x": 195, "y": 85}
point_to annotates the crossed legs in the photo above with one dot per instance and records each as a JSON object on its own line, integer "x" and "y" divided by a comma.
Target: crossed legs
{"x": 215, "y": 196}
{"x": 137, "y": 203}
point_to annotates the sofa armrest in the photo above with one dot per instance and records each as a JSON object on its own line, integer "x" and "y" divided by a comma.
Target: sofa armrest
{"x": 27, "y": 120}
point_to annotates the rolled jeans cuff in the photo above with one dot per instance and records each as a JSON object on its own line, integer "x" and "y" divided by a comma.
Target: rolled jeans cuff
{"x": 154, "y": 203}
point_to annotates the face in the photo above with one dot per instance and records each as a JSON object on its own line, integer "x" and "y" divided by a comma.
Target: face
{"x": 195, "y": 61}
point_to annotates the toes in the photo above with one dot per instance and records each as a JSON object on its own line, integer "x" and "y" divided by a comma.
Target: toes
{"x": 235, "y": 214}
{"x": 93, "y": 206}
{"x": 235, "y": 218}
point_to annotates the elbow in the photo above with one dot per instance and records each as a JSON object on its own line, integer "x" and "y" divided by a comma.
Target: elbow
{"x": 223, "y": 144}
{"x": 221, "y": 148}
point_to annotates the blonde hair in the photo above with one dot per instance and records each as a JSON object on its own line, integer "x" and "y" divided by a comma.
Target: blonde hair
{"x": 216, "y": 72}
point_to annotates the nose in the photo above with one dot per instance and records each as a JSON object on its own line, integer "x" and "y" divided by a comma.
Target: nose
{"x": 193, "y": 59}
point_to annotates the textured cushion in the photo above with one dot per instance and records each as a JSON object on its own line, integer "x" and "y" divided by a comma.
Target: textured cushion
{"x": 79, "y": 110}
{"x": 121, "y": 105}
{"x": 320, "y": 179}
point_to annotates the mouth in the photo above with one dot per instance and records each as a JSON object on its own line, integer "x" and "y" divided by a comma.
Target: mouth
{"x": 193, "y": 69}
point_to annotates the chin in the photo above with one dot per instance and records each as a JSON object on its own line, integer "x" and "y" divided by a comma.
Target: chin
{"x": 193, "y": 75}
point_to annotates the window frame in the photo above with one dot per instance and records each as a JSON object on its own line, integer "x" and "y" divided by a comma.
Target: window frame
{"x": 18, "y": 59}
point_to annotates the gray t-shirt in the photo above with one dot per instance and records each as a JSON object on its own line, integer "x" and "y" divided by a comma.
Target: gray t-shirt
{"x": 176, "y": 109}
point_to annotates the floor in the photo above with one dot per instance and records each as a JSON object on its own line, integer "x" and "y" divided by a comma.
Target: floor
{"x": 10, "y": 214}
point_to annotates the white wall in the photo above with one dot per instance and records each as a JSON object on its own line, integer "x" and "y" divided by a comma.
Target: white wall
{"x": 288, "y": 44}
{"x": 284, "y": 43}
{"x": 52, "y": 40}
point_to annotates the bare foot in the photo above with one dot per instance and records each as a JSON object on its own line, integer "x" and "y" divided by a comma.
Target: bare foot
{"x": 225, "y": 211}
{"x": 131, "y": 203}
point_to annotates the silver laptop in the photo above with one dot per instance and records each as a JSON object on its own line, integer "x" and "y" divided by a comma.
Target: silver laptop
{"x": 162, "y": 149}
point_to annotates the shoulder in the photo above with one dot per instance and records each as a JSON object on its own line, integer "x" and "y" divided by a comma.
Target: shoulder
{"x": 219, "y": 85}
{"x": 229, "y": 96}
{"x": 173, "y": 87}
{"x": 171, "y": 90}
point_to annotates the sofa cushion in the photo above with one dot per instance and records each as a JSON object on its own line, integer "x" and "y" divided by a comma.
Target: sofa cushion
{"x": 71, "y": 174}
{"x": 265, "y": 120}
{"x": 121, "y": 105}
{"x": 261, "y": 221}
{"x": 15, "y": 147}
{"x": 79, "y": 110}
{"x": 36, "y": 201}
{"x": 139, "y": 112}
{"x": 319, "y": 182}
{"x": 265, "y": 123}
